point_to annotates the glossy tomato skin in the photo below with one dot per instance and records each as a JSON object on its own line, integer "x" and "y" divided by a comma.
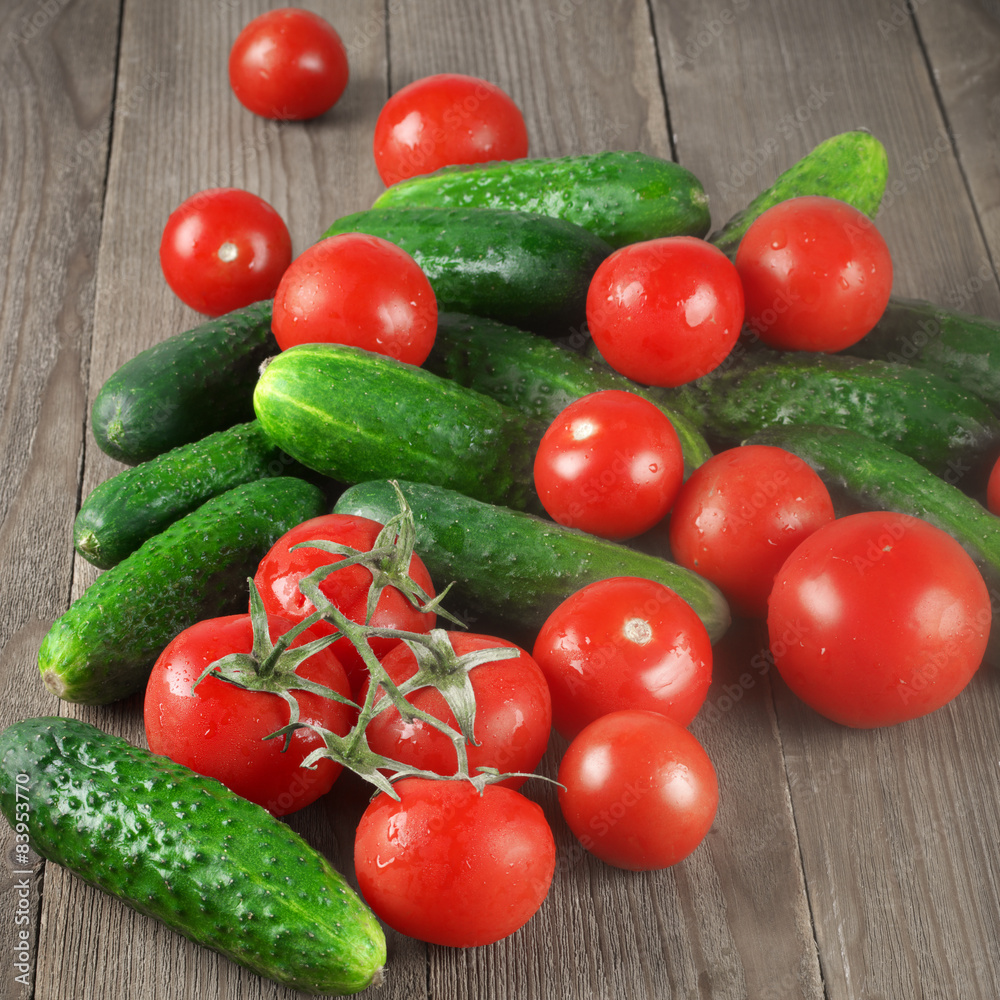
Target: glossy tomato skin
{"x": 445, "y": 119}
{"x": 513, "y": 714}
{"x": 665, "y": 311}
{"x": 623, "y": 643}
{"x": 218, "y": 730}
{"x": 288, "y": 64}
{"x": 741, "y": 514}
{"x": 610, "y": 464}
{"x": 816, "y": 274}
{"x": 359, "y": 290}
{"x": 993, "y": 489}
{"x": 448, "y": 865}
{"x": 877, "y": 618}
{"x": 638, "y": 790}
{"x": 279, "y": 572}
{"x": 223, "y": 249}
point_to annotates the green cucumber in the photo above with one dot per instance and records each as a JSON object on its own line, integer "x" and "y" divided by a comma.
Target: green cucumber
{"x": 515, "y": 567}
{"x": 185, "y": 850}
{"x": 621, "y": 196}
{"x": 536, "y": 375}
{"x": 185, "y": 387}
{"x": 103, "y": 646}
{"x": 851, "y": 167}
{"x": 352, "y": 415}
{"x": 520, "y": 268}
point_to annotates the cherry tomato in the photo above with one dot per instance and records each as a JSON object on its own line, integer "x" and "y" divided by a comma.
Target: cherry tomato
{"x": 288, "y": 64}
{"x": 218, "y": 729}
{"x": 625, "y": 642}
{"x": 359, "y": 290}
{"x": 993, "y": 489}
{"x": 816, "y": 274}
{"x": 740, "y": 515}
{"x": 610, "y": 463}
{"x": 445, "y": 119}
{"x": 665, "y": 311}
{"x": 279, "y": 572}
{"x": 448, "y": 865}
{"x": 223, "y": 249}
{"x": 639, "y": 791}
{"x": 513, "y": 714}
{"x": 877, "y": 618}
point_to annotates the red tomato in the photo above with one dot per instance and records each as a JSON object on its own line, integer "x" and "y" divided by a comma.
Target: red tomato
{"x": 816, "y": 274}
{"x": 877, "y": 618}
{"x": 218, "y": 729}
{"x": 513, "y": 714}
{"x": 359, "y": 290}
{"x": 279, "y": 572}
{"x": 740, "y": 515}
{"x": 639, "y": 791}
{"x": 288, "y": 64}
{"x": 610, "y": 463}
{"x": 993, "y": 489}
{"x": 451, "y": 866}
{"x": 444, "y": 119}
{"x": 223, "y": 249}
{"x": 665, "y": 311}
{"x": 623, "y": 643}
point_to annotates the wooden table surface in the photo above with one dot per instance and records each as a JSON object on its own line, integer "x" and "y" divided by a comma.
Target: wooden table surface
{"x": 843, "y": 864}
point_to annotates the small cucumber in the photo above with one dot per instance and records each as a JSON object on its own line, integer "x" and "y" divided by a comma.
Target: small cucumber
{"x": 185, "y": 850}
{"x": 351, "y": 415}
{"x": 621, "y": 196}
{"x": 185, "y": 387}
{"x": 520, "y": 268}
{"x": 517, "y": 567}
{"x": 102, "y": 648}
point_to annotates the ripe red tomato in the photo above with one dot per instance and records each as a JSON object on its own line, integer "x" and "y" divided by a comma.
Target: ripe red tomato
{"x": 288, "y": 64}
{"x": 513, "y": 714}
{"x": 359, "y": 290}
{"x": 816, "y": 274}
{"x": 993, "y": 489}
{"x": 218, "y": 729}
{"x": 445, "y": 119}
{"x": 223, "y": 249}
{"x": 610, "y": 463}
{"x": 639, "y": 791}
{"x": 451, "y": 866}
{"x": 740, "y": 515}
{"x": 623, "y": 643}
{"x": 877, "y": 618}
{"x": 665, "y": 311}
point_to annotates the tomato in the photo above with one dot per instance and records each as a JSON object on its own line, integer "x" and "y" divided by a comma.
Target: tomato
{"x": 219, "y": 729}
{"x": 638, "y": 790}
{"x": 448, "y": 865}
{"x": 279, "y": 572}
{"x": 444, "y": 119}
{"x": 993, "y": 489}
{"x": 359, "y": 290}
{"x": 623, "y": 643}
{"x": 665, "y": 311}
{"x": 740, "y": 515}
{"x": 288, "y": 64}
{"x": 513, "y": 714}
{"x": 223, "y": 249}
{"x": 816, "y": 274}
{"x": 877, "y": 618}
{"x": 610, "y": 463}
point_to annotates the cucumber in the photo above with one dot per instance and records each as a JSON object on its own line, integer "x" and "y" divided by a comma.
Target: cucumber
{"x": 851, "y": 166}
{"x": 102, "y": 648}
{"x": 185, "y": 850}
{"x": 621, "y": 196}
{"x": 520, "y": 268}
{"x": 536, "y": 375}
{"x": 185, "y": 387}
{"x": 352, "y": 415}
{"x": 515, "y": 567}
